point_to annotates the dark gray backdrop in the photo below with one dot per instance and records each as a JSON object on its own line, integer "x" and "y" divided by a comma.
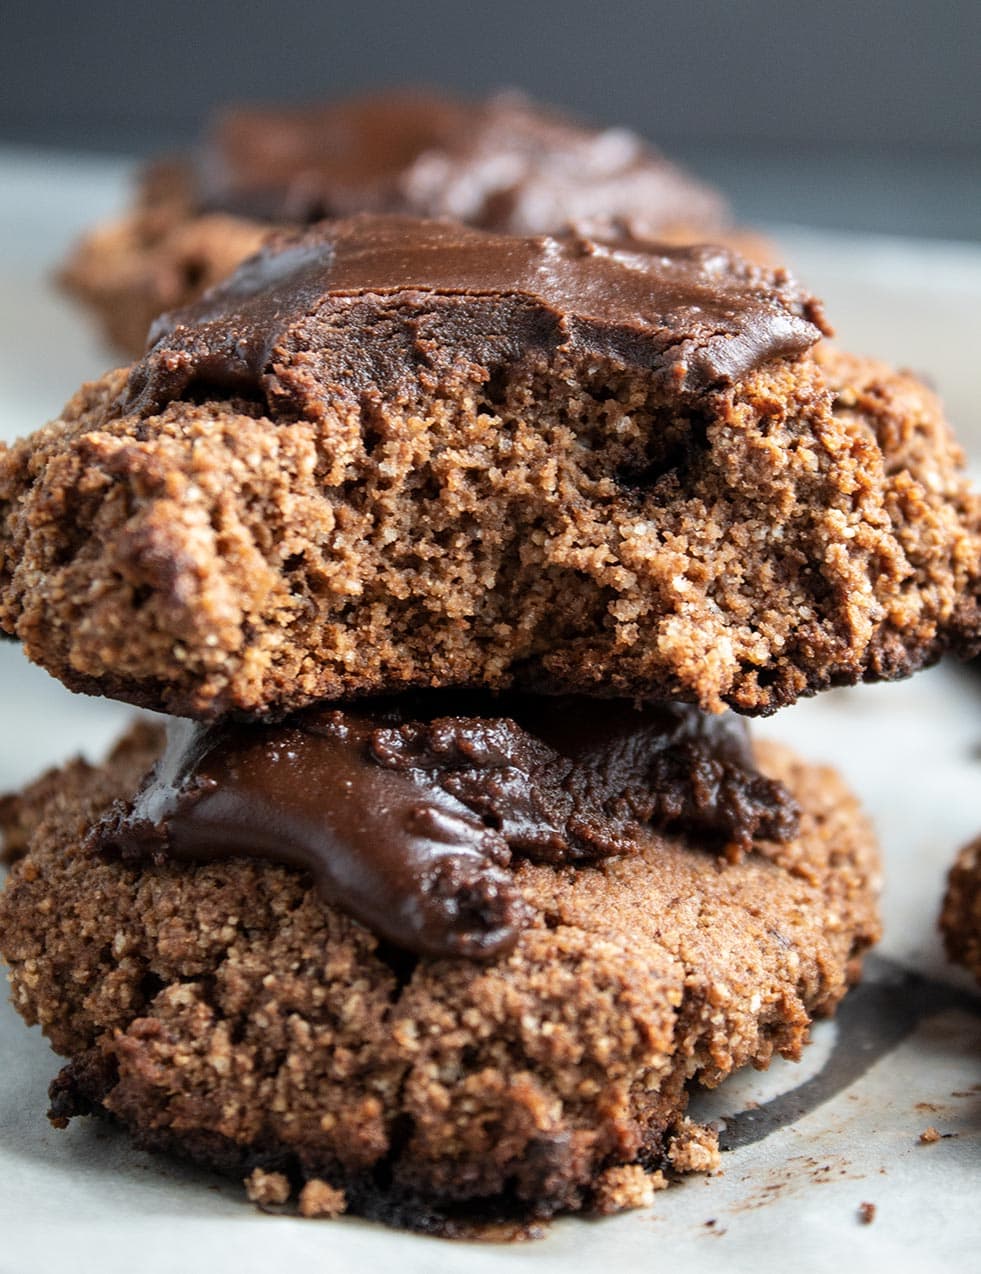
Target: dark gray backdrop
{"x": 849, "y": 113}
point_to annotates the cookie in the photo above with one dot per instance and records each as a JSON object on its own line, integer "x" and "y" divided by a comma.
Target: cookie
{"x": 960, "y": 917}
{"x": 393, "y": 453}
{"x": 503, "y": 163}
{"x": 226, "y": 1011}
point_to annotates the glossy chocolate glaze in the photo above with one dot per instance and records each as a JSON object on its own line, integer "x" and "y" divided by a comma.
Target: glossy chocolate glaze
{"x": 392, "y": 307}
{"x": 502, "y": 163}
{"x": 407, "y": 811}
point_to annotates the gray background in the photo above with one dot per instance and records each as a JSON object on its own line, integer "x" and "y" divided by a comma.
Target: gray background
{"x": 861, "y": 115}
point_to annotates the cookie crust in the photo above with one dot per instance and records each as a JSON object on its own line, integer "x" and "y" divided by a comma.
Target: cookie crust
{"x": 227, "y": 1014}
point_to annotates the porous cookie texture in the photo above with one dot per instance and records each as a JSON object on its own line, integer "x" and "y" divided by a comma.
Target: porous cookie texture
{"x": 502, "y": 163}
{"x": 392, "y": 453}
{"x": 960, "y": 917}
{"x": 227, "y": 1013}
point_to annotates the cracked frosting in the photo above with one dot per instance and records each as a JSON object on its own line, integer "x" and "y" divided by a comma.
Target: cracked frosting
{"x": 375, "y": 305}
{"x": 407, "y": 811}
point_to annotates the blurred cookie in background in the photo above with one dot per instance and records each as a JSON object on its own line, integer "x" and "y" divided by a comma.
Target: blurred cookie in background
{"x": 503, "y": 163}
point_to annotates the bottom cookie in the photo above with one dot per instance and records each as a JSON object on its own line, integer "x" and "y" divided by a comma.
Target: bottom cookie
{"x": 225, "y": 1012}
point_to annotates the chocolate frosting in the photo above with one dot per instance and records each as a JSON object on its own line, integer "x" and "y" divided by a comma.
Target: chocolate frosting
{"x": 407, "y": 811}
{"x": 379, "y": 306}
{"x": 503, "y": 164}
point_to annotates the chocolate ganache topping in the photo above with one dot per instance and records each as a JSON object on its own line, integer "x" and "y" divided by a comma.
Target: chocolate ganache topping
{"x": 502, "y": 164}
{"x": 376, "y": 307}
{"x": 407, "y": 811}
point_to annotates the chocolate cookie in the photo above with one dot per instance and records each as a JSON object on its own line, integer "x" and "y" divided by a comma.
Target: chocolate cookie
{"x": 503, "y": 164}
{"x": 226, "y": 1011}
{"x": 393, "y": 453}
{"x": 960, "y": 917}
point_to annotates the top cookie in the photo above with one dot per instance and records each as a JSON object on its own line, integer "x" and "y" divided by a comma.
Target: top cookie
{"x": 394, "y": 453}
{"x": 502, "y": 163}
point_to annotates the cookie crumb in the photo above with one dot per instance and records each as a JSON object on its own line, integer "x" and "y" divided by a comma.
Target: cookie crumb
{"x": 695, "y": 1148}
{"x": 929, "y": 1136}
{"x": 866, "y": 1213}
{"x": 626, "y": 1186}
{"x": 266, "y": 1189}
{"x": 320, "y": 1199}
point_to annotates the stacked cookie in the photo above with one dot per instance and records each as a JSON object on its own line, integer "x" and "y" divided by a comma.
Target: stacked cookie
{"x": 447, "y": 550}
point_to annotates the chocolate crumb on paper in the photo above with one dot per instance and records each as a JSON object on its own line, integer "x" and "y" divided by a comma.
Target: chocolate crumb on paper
{"x": 319, "y": 1199}
{"x": 267, "y": 1189}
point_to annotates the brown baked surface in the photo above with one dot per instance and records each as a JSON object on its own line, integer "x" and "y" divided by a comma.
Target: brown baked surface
{"x": 960, "y": 916}
{"x": 504, "y": 163}
{"x": 565, "y": 523}
{"x": 226, "y": 1013}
